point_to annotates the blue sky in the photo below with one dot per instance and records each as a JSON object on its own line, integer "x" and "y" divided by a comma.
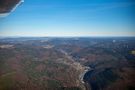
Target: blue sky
{"x": 71, "y": 18}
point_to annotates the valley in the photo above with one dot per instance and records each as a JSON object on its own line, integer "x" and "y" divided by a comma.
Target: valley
{"x": 67, "y": 63}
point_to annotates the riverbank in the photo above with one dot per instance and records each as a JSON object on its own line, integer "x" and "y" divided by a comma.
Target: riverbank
{"x": 81, "y": 76}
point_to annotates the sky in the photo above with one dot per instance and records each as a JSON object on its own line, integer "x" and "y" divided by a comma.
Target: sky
{"x": 71, "y": 18}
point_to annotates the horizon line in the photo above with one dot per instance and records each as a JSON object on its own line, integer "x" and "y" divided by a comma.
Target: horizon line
{"x": 58, "y": 36}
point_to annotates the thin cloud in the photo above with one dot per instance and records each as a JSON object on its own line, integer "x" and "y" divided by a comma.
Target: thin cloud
{"x": 112, "y": 6}
{"x": 105, "y": 6}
